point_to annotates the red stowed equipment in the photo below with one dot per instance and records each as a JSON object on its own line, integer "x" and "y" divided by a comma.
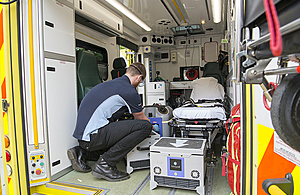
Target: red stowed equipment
{"x": 233, "y": 151}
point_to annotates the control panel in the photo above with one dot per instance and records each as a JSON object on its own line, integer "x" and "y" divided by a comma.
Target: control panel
{"x": 174, "y": 57}
{"x": 37, "y": 167}
{"x": 150, "y": 71}
{"x": 176, "y": 166}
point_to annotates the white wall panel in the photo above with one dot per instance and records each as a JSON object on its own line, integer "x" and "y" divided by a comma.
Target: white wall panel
{"x": 189, "y": 56}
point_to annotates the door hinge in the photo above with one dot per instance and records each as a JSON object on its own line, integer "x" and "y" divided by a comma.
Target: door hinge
{"x": 5, "y": 105}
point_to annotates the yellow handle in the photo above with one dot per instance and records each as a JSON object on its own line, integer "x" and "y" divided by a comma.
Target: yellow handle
{"x": 34, "y": 118}
{"x": 275, "y": 190}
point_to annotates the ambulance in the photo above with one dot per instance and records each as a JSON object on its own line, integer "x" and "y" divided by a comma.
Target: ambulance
{"x": 52, "y": 52}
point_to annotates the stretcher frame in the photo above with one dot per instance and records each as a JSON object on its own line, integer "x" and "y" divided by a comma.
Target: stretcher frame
{"x": 207, "y": 128}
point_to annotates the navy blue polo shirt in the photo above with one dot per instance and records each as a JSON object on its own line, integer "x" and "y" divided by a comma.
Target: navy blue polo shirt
{"x": 105, "y": 103}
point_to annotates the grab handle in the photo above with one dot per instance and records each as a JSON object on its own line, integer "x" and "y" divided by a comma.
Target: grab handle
{"x": 142, "y": 148}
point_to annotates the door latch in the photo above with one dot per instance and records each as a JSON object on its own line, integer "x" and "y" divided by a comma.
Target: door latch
{"x": 5, "y": 105}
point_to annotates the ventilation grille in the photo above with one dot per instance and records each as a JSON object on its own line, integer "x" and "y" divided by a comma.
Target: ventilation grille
{"x": 177, "y": 182}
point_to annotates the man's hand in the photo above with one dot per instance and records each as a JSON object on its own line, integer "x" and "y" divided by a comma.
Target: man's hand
{"x": 156, "y": 128}
{"x": 141, "y": 116}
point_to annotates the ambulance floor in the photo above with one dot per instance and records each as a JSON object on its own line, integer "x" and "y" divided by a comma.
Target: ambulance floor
{"x": 139, "y": 182}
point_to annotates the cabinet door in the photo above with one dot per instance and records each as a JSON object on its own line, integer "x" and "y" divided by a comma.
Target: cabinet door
{"x": 61, "y": 111}
{"x": 58, "y": 28}
{"x": 212, "y": 45}
{"x": 95, "y": 11}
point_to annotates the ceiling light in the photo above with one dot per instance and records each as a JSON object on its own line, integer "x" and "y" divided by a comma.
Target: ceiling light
{"x": 129, "y": 14}
{"x": 216, "y": 10}
{"x": 202, "y": 21}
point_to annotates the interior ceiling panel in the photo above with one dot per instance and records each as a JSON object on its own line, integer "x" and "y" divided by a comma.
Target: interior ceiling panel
{"x": 196, "y": 10}
{"x": 149, "y": 11}
{"x": 152, "y": 11}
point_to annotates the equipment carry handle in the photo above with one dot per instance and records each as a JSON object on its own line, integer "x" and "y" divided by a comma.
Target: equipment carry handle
{"x": 142, "y": 148}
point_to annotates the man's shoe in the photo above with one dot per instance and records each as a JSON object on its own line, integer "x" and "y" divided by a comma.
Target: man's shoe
{"x": 102, "y": 170}
{"x": 77, "y": 157}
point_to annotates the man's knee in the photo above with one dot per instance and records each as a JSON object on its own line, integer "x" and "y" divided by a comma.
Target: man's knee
{"x": 146, "y": 127}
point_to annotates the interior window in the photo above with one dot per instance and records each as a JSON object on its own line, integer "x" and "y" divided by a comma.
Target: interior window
{"x": 128, "y": 54}
{"x": 100, "y": 55}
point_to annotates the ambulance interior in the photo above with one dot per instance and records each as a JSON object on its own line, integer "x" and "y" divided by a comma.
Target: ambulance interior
{"x": 180, "y": 42}
{"x": 175, "y": 53}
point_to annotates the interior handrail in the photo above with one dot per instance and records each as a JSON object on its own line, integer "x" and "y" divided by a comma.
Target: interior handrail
{"x": 286, "y": 29}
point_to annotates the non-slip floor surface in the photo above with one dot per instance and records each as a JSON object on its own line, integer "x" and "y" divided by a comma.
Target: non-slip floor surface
{"x": 132, "y": 185}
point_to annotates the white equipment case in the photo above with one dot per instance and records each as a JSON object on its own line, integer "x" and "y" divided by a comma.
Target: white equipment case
{"x": 178, "y": 163}
{"x": 139, "y": 156}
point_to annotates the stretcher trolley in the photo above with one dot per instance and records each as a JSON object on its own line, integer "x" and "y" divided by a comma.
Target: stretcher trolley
{"x": 204, "y": 114}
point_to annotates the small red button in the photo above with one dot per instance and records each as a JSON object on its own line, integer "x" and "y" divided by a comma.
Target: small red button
{"x": 38, "y": 171}
{"x": 8, "y": 156}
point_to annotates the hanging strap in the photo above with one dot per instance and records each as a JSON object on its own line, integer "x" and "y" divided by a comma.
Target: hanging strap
{"x": 209, "y": 101}
{"x": 234, "y": 161}
{"x": 273, "y": 24}
{"x": 223, "y": 164}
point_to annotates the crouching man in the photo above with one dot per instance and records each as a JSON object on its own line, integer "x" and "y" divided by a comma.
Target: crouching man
{"x": 101, "y": 137}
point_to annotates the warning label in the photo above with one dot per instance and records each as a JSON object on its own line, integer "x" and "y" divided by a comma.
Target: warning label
{"x": 286, "y": 151}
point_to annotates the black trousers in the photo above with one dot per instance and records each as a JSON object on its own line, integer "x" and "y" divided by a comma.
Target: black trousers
{"x": 116, "y": 139}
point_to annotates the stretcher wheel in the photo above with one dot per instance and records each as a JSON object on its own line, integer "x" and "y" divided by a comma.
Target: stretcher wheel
{"x": 285, "y": 110}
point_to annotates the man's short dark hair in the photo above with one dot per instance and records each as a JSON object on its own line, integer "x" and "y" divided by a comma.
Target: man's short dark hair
{"x": 136, "y": 69}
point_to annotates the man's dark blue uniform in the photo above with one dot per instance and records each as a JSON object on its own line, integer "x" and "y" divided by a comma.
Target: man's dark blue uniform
{"x": 98, "y": 129}
{"x": 105, "y": 103}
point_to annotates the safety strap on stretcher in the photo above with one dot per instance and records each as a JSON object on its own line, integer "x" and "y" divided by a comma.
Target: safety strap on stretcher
{"x": 191, "y": 103}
